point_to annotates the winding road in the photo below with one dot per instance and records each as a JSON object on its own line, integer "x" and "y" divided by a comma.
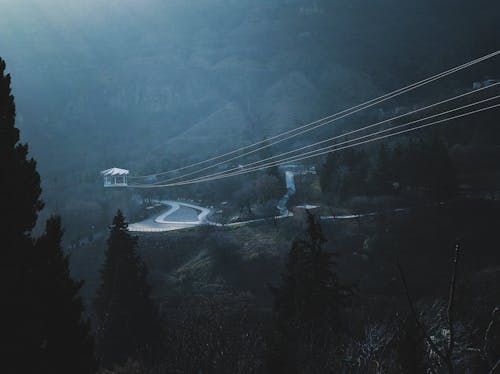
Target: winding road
{"x": 178, "y": 216}
{"x": 181, "y": 215}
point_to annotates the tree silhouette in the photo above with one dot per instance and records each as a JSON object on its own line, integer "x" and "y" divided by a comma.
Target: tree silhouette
{"x": 128, "y": 321}
{"x": 344, "y": 174}
{"x": 41, "y": 320}
{"x": 441, "y": 178}
{"x": 67, "y": 344}
{"x": 306, "y": 306}
{"x": 20, "y": 197}
{"x": 381, "y": 175}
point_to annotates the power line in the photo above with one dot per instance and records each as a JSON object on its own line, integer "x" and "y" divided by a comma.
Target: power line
{"x": 342, "y": 135}
{"x": 330, "y": 149}
{"x": 347, "y": 141}
{"x": 331, "y": 118}
{"x": 371, "y": 134}
{"x": 316, "y": 154}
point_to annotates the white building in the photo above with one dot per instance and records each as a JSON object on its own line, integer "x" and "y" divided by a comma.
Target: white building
{"x": 115, "y": 177}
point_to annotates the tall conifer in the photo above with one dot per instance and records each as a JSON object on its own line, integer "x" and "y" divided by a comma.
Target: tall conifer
{"x": 306, "y": 305}
{"x": 41, "y": 321}
{"x": 128, "y": 321}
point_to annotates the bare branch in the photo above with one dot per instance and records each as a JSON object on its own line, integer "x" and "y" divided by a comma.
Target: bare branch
{"x": 433, "y": 345}
{"x": 487, "y": 336}
{"x": 495, "y": 368}
{"x": 451, "y": 309}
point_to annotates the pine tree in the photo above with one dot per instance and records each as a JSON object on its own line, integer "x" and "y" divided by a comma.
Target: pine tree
{"x": 306, "y": 305}
{"x": 128, "y": 321}
{"x": 440, "y": 178}
{"x": 344, "y": 174}
{"x": 398, "y": 166}
{"x": 328, "y": 172}
{"x": 429, "y": 168}
{"x": 20, "y": 197}
{"x": 42, "y": 325}
{"x": 67, "y": 345}
{"x": 266, "y": 152}
{"x": 355, "y": 174}
{"x": 381, "y": 177}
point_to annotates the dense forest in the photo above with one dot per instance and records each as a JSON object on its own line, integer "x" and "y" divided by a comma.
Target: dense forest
{"x": 382, "y": 258}
{"x": 183, "y": 75}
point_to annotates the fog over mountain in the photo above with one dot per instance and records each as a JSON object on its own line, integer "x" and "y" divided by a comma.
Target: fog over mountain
{"x": 149, "y": 85}
{"x": 365, "y": 244}
{"x": 129, "y": 82}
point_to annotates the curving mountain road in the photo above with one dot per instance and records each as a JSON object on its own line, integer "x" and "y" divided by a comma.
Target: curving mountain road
{"x": 181, "y": 215}
{"x": 178, "y": 216}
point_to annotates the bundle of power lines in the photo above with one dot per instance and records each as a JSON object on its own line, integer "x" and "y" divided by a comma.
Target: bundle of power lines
{"x": 201, "y": 171}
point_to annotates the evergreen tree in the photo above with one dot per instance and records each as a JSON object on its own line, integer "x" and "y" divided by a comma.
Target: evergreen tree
{"x": 415, "y": 166}
{"x": 429, "y": 167}
{"x": 306, "y": 306}
{"x": 41, "y": 320}
{"x": 440, "y": 177}
{"x": 128, "y": 321}
{"x": 328, "y": 172}
{"x": 398, "y": 166}
{"x": 381, "y": 178}
{"x": 266, "y": 152}
{"x": 355, "y": 175}
{"x": 344, "y": 174}
{"x": 20, "y": 197}
{"x": 67, "y": 345}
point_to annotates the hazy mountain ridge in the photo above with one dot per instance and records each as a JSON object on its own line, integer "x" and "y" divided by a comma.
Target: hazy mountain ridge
{"x": 84, "y": 72}
{"x": 298, "y": 268}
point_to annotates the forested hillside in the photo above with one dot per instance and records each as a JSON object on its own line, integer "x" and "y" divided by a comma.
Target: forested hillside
{"x": 373, "y": 249}
{"x": 184, "y": 77}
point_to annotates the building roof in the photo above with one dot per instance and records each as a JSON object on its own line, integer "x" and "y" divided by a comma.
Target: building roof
{"x": 115, "y": 171}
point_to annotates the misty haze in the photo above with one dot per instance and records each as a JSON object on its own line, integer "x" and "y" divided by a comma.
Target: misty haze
{"x": 249, "y": 186}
